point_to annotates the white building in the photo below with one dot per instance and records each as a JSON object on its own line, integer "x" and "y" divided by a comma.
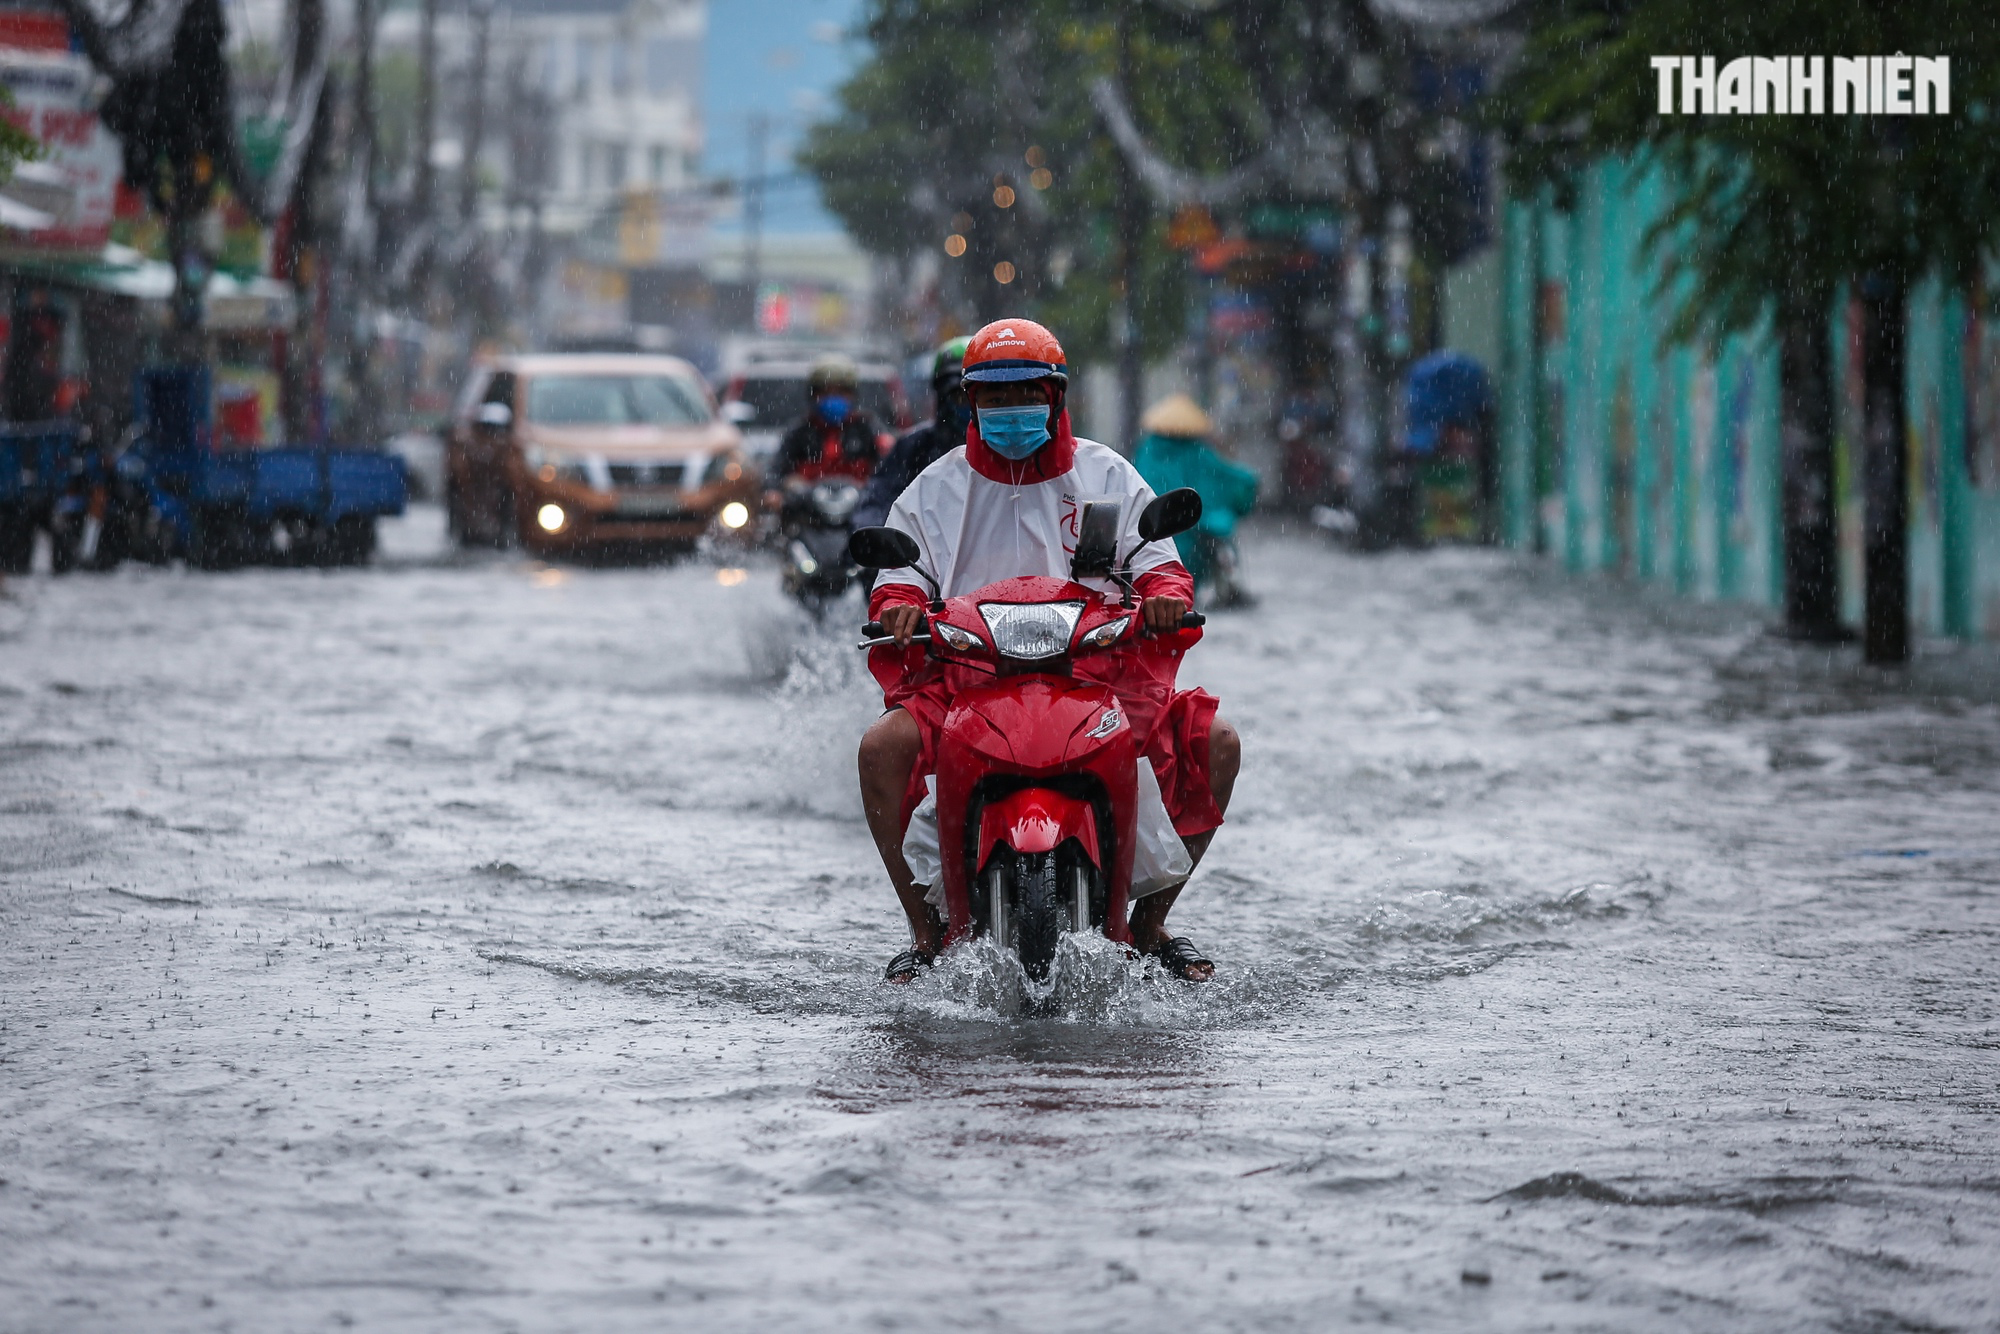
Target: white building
{"x": 619, "y": 79}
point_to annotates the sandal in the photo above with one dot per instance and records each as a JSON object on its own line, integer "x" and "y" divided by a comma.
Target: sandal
{"x": 1179, "y": 956}
{"x": 905, "y": 966}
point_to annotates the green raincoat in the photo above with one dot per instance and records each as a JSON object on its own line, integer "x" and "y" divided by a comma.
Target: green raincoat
{"x": 1227, "y": 491}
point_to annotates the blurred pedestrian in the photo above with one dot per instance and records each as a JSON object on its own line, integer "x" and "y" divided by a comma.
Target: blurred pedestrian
{"x": 1177, "y": 450}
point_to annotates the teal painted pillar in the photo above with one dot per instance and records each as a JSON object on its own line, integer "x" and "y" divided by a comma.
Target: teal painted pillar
{"x": 1614, "y": 367}
{"x": 1520, "y": 373}
{"x": 1581, "y": 425}
{"x": 1647, "y": 406}
{"x": 1955, "y": 517}
{"x": 1680, "y": 514}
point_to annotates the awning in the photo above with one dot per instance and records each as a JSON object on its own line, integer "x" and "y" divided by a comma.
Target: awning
{"x": 230, "y": 304}
{"x": 21, "y": 218}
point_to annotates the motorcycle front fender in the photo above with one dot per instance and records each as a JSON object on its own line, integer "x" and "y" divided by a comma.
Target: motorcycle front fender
{"x": 1037, "y": 819}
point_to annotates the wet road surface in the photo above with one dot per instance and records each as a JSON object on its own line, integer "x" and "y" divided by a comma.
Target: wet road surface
{"x": 488, "y": 946}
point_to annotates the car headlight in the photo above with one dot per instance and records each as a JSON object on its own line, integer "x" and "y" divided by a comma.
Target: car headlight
{"x": 1104, "y": 636}
{"x": 962, "y": 640}
{"x": 551, "y": 518}
{"x": 553, "y": 467}
{"x": 735, "y": 514}
{"x": 1031, "y": 631}
{"x": 722, "y": 468}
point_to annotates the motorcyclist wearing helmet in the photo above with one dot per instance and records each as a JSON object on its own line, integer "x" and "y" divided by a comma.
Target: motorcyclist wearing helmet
{"x": 921, "y": 446}
{"x": 836, "y": 438}
{"x": 1008, "y": 504}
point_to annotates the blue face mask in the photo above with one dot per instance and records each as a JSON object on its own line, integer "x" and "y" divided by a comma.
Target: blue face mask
{"x": 1015, "y": 433}
{"x": 834, "y": 408}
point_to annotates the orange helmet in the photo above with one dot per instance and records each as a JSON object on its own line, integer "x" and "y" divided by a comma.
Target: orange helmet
{"x": 1015, "y": 350}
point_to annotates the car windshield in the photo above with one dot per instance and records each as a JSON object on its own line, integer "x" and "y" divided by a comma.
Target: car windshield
{"x": 615, "y": 400}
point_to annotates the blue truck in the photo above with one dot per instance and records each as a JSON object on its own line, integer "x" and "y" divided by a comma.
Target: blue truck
{"x": 171, "y": 495}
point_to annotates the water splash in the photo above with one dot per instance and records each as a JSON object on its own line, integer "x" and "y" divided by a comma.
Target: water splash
{"x": 1092, "y": 980}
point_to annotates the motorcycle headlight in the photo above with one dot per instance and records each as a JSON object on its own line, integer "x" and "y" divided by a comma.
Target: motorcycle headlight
{"x": 1104, "y": 636}
{"x": 1031, "y": 631}
{"x": 962, "y": 640}
{"x": 836, "y": 500}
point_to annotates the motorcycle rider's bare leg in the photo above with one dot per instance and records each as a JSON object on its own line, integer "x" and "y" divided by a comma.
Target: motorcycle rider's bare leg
{"x": 889, "y": 751}
{"x": 1225, "y": 757}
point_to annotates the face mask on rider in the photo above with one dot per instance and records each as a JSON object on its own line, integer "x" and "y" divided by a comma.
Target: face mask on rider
{"x": 834, "y": 408}
{"x": 1015, "y": 433}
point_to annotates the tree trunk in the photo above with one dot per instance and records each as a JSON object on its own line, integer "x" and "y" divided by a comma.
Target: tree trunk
{"x": 1886, "y": 620}
{"x": 1812, "y": 587}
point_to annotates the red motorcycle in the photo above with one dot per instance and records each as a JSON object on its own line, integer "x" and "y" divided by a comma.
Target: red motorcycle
{"x": 1037, "y": 769}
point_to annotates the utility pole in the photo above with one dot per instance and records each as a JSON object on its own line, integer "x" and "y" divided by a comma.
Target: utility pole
{"x": 423, "y": 200}
{"x": 475, "y": 113}
{"x": 753, "y": 211}
{"x": 364, "y": 251}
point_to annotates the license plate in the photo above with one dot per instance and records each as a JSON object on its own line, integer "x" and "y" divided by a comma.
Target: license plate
{"x": 655, "y": 507}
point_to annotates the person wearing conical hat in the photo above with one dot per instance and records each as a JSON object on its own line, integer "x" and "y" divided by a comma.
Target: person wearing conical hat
{"x": 1175, "y": 451}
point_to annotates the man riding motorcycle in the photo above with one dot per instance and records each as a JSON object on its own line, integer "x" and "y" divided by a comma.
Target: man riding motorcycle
{"x": 836, "y": 437}
{"x": 1007, "y": 504}
{"x": 924, "y": 445}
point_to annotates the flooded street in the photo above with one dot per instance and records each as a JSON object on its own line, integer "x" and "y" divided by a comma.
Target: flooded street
{"x": 493, "y": 946}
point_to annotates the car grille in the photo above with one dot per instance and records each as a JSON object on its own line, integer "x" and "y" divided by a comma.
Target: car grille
{"x": 647, "y": 474}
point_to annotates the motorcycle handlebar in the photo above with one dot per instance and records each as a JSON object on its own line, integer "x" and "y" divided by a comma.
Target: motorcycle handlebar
{"x": 874, "y": 635}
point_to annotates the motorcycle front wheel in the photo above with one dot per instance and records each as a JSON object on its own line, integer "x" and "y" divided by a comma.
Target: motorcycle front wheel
{"x": 1032, "y": 898}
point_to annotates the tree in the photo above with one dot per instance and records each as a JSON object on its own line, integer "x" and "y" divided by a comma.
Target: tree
{"x": 1142, "y": 109}
{"x": 1777, "y": 213}
{"x": 171, "y": 110}
{"x": 974, "y": 119}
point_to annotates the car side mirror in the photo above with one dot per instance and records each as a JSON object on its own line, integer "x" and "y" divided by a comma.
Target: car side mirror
{"x": 737, "y": 413}
{"x": 883, "y": 549}
{"x": 495, "y": 416}
{"x": 1096, "y": 542}
{"x": 1175, "y": 512}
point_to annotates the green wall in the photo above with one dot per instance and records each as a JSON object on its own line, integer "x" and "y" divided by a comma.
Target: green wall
{"x": 1656, "y": 462}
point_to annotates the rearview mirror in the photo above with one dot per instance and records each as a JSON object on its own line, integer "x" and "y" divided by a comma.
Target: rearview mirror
{"x": 1175, "y": 512}
{"x": 497, "y": 416}
{"x": 736, "y": 412}
{"x": 1096, "y": 542}
{"x": 883, "y": 549}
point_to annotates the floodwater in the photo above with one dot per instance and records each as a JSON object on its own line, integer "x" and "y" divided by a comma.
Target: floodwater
{"x": 487, "y": 946}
